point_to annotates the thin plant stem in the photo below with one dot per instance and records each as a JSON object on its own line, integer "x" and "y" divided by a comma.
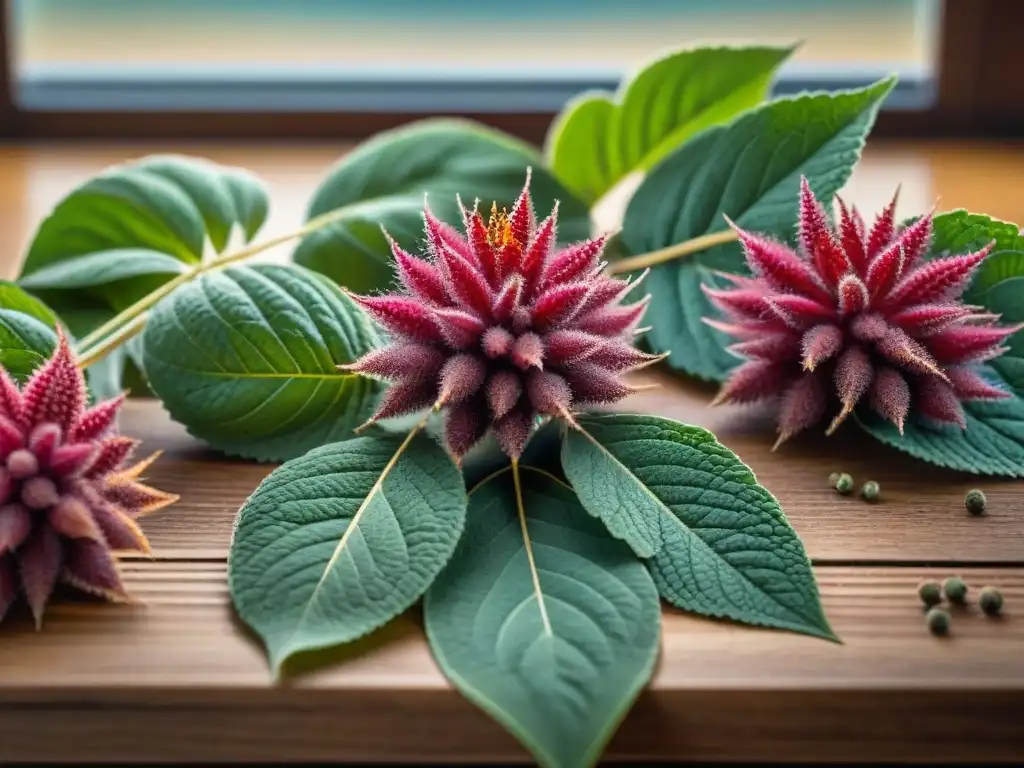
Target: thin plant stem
{"x": 89, "y": 356}
{"x": 147, "y": 301}
{"x": 528, "y": 546}
{"x": 673, "y": 252}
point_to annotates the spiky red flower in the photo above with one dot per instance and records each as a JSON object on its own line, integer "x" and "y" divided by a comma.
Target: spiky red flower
{"x": 859, "y": 312}
{"x": 66, "y": 499}
{"x": 500, "y": 327}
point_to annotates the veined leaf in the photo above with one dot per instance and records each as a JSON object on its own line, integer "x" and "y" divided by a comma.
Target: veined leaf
{"x": 27, "y": 331}
{"x": 543, "y": 620}
{"x": 600, "y": 138}
{"x": 127, "y": 231}
{"x": 247, "y": 360}
{"x": 384, "y": 181}
{"x": 749, "y": 171}
{"x": 993, "y": 442}
{"x": 167, "y": 204}
{"x": 336, "y": 543}
{"x": 102, "y": 267}
{"x": 716, "y": 541}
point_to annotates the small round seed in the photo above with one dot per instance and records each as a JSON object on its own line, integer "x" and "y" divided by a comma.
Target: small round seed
{"x": 938, "y": 621}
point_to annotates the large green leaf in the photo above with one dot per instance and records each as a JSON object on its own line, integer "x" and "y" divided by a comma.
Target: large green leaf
{"x": 750, "y": 171}
{"x": 102, "y": 267}
{"x": 993, "y": 442}
{"x": 716, "y": 541}
{"x": 543, "y": 620}
{"x": 383, "y": 183}
{"x": 125, "y": 232}
{"x": 337, "y": 543}
{"x": 247, "y": 360}
{"x": 167, "y": 204}
{"x": 27, "y": 331}
{"x": 599, "y": 138}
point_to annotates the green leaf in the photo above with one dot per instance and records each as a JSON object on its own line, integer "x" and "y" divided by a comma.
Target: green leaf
{"x": 716, "y": 541}
{"x": 383, "y": 182}
{"x": 993, "y": 442}
{"x": 127, "y": 231}
{"x": 750, "y": 171}
{"x": 337, "y": 543}
{"x": 102, "y": 267}
{"x": 27, "y": 331}
{"x": 247, "y": 358}
{"x": 553, "y": 635}
{"x": 600, "y": 138}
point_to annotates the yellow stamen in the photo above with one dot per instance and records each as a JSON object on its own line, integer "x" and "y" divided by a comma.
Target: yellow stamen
{"x": 499, "y": 228}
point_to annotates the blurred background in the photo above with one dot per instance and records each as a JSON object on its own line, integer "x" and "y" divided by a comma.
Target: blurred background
{"x": 330, "y": 68}
{"x": 444, "y": 55}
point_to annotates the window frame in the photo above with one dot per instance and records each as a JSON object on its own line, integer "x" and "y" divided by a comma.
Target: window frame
{"x": 974, "y": 97}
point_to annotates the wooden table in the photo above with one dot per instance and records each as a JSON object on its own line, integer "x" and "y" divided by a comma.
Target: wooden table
{"x": 181, "y": 679}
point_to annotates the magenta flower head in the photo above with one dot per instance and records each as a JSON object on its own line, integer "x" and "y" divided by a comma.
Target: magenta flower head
{"x": 67, "y": 501}
{"x": 500, "y": 327}
{"x": 860, "y": 313}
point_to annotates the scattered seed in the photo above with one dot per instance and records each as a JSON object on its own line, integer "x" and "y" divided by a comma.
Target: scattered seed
{"x": 975, "y": 502}
{"x": 870, "y": 490}
{"x": 833, "y": 479}
{"x": 938, "y": 621}
{"x": 844, "y": 484}
{"x": 990, "y": 600}
{"x": 930, "y": 593}
{"x": 955, "y": 590}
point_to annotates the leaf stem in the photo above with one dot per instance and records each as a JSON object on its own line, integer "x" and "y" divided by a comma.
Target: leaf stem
{"x": 672, "y": 252}
{"x": 90, "y": 356}
{"x": 528, "y": 545}
{"x": 142, "y": 305}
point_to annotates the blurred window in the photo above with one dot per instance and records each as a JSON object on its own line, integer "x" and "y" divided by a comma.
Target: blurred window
{"x": 433, "y": 55}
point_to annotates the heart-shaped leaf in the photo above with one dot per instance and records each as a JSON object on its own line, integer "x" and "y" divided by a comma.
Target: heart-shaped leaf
{"x": 27, "y": 331}
{"x": 383, "y": 183}
{"x": 543, "y": 620}
{"x": 125, "y": 232}
{"x": 993, "y": 442}
{"x": 338, "y": 542}
{"x": 716, "y": 541}
{"x": 600, "y": 138}
{"x": 247, "y": 360}
{"x": 750, "y": 171}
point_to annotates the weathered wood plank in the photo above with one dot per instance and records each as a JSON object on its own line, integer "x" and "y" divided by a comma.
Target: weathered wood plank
{"x": 181, "y": 669}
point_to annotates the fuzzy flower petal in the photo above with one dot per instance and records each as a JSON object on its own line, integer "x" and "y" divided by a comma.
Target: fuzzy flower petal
{"x": 67, "y": 500}
{"x": 857, "y": 317}
{"x": 523, "y": 329}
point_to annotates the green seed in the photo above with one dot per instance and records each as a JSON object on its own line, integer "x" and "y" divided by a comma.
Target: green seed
{"x": 990, "y": 600}
{"x": 938, "y": 621}
{"x": 844, "y": 484}
{"x": 833, "y": 479}
{"x": 975, "y": 502}
{"x": 955, "y": 590}
{"x": 870, "y": 491}
{"x": 930, "y": 593}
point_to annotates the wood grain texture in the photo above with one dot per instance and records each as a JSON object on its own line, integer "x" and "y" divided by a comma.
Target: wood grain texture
{"x": 181, "y": 673}
{"x": 180, "y": 679}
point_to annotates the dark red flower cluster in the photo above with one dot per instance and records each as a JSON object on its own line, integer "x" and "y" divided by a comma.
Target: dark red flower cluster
{"x": 499, "y": 326}
{"x": 859, "y": 312}
{"x": 67, "y": 501}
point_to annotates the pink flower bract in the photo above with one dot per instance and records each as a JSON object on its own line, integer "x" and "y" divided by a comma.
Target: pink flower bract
{"x": 67, "y": 500}
{"x": 860, "y": 313}
{"x": 499, "y": 326}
